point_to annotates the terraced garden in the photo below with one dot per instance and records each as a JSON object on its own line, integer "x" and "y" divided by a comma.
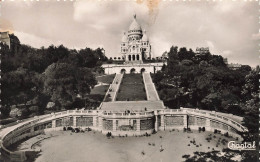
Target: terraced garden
{"x": 131, "y": 88}
{"x": 108, "y": 79}
{"x": 99, "y": 91}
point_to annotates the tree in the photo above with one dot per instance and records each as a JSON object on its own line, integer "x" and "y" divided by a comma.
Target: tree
{"x": 64, "y": 82}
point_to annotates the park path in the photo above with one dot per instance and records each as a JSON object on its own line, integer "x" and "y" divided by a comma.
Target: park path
{"x": 150, "y": 89}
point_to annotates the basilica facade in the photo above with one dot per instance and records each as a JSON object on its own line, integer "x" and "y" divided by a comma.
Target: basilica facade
{"x": 135, "y": 48}
{"x": 135, "y": 45}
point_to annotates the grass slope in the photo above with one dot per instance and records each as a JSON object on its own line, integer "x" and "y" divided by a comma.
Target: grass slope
{"x": 131, "y": 88}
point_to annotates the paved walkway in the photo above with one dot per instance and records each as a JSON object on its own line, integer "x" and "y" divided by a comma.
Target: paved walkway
{"x": 132, "y": 105}
{"x": 151, "y": 92}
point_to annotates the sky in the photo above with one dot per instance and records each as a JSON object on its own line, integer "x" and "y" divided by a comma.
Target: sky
{"x": 228, "y": 28}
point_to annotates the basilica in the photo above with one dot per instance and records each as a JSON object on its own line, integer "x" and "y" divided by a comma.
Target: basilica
{"x": 135, "y": 49}
{"x": 135, "y": 46}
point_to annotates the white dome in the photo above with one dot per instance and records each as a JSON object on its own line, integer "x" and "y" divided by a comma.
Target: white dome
{"x": 134, "y": 25}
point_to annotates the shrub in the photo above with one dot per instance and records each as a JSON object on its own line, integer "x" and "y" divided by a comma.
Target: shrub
{"x": 77, "y": 130}
{"x": 109, "y": 134}
{"x": 215, "y": 131}
{"x": 226, "y": 134}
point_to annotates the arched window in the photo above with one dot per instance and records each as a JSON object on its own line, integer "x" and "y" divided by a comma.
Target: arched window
{"x": 137, "y": 57}
{"x": 133, "y": 57}
{"x": 133, "y": 48}
{"x": 129, "y": 57}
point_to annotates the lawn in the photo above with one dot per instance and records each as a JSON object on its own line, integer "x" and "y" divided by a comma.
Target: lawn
{"x": 90, "y": 146}
{"x": 102, "y": 89}
{"x": 108, "y": 79}
{"x": 131, "y": 88}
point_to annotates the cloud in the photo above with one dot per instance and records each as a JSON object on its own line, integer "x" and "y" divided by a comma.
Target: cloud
{"x": 34, "y": 40}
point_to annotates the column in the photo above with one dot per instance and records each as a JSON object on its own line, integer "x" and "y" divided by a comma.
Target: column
{"x": 74, "y": 121}
{"x": 114, "y": 124}
{"x": 162, "y": 122}
{"x": 138, "y": 126}
{"x": 185, "y": 121}
{"x": 156, "y": 123}
{"x": 94, "y": 121}
{"x": 53, "y": 123}
{"x": 100, "y": 123}
{"x": 207, "y": 124}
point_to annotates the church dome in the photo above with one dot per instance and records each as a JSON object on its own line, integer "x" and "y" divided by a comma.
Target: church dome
{"x": 124, "y": 38}
{"x": 134, "y": 25}
{"x": 145, "y": 38}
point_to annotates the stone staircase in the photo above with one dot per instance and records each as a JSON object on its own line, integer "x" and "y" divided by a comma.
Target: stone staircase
{"x": 113, "y": 88}
{"x": 150, "y": 89}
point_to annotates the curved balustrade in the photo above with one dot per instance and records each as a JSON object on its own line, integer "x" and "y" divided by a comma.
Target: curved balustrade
{"x": 141, "y": 121}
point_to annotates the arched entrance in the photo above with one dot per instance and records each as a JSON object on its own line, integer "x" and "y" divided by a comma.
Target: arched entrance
{"x": 132, "y": 71}
{"x": 142, "y": 70}
{"x": 122, "y": 71}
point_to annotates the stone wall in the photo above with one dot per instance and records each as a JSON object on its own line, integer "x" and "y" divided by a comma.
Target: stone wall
{"x": 84, "y": 121}
{"x": 107, "y": 124}
{"x": 146, "y": 124}
{"x": 174, "y": 121}
{"x": 112, "y": 68}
